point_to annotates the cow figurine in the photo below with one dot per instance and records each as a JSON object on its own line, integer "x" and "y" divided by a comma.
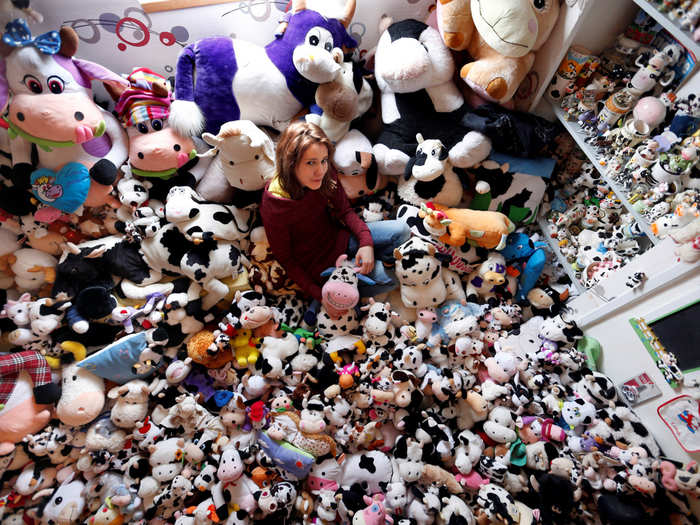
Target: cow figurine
{"x": 236, "y": 79}
{"x": 80, "y": 145}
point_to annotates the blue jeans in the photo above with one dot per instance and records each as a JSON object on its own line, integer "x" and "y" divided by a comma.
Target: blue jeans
{"x": 386, "y": 236}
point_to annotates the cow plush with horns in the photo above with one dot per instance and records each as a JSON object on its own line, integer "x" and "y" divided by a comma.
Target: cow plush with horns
{"x": 236, "y": 79}
{"x": 79, "y": 144}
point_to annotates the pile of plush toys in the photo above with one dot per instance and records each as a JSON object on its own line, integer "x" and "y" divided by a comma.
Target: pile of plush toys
{"x": 685, "y": 12}
{"x": 645, "y": 139}
{"x": 157, "y": 369}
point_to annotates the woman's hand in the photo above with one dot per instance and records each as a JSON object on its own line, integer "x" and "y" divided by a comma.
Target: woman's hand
{"x": 365, "y": 259}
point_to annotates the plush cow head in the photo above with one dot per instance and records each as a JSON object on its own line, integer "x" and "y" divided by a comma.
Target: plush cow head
{"x": 316, "y": 42}
{"x": 416, "y": 263}
{"x": 245, "y": 154}
{"x": 429, "y": 162}
{"x": 51, "y": 92}
{"x": 411, "y": 56}
{"x": 341, "y": 288}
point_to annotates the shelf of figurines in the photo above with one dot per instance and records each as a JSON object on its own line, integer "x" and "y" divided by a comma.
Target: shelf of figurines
{"x": 600, "y": 163}
{"x": 590, "y": 231}
{"x": 680, "y": 18}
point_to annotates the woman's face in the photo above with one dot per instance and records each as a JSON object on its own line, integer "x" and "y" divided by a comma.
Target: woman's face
{"x": 312, "y": 166}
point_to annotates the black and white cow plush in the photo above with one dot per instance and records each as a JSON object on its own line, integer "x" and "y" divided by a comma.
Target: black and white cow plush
{"x": 430, "y": 176}
{"x": 516, "y": 195}
{"x": 559, "y": 330}
{"x": 424, "y": 283}
{"x": 378, "y": 331}
{"x": 290, "y": 307}
{"x": 460, "y": 259}
{"x": 414, "y": 69}
{"x": 340, "y": 290}
{"x": 498, "y": 504}
{"x": 199, "y": 219}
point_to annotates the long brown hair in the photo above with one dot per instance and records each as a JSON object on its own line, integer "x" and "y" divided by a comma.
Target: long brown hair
{"x": 294, "y": 140}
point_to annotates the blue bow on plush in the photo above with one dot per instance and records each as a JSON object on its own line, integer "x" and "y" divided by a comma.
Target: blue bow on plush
{"x": 17, "y": 34}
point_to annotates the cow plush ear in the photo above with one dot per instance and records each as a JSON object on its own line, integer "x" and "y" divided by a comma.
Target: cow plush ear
{"x": 327, "y": 272}
{"x": 572, "y": 333}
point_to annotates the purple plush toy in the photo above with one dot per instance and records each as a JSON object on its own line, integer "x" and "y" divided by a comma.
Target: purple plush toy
{"x": 236, "y": 79}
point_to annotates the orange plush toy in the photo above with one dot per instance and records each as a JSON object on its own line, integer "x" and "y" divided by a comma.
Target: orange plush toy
{"x": 501, "y": 36}
{"x": 455, "y": 226}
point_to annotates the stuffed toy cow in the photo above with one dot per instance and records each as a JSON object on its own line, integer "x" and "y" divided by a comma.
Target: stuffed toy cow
{"x": 414, "y": 68}
{"x": 237, "y": 80}
{"x": 79, "y": 144}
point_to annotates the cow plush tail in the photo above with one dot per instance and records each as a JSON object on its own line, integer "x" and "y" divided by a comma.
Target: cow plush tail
{"x": 185, "y": 116}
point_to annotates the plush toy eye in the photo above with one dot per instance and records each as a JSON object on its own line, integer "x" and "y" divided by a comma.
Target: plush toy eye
{"x": 142, "y": 127}
{"x": 328, "y": 47}
{"x": 157, "y": 124}
{"x": 33, "y": 84}
{"x": 56, "y": 85}
{"x": 313, "y": 40}
{"x": 539, "y": 4}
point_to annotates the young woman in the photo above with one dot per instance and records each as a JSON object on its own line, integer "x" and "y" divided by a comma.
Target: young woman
{"x": 309, "y": 222}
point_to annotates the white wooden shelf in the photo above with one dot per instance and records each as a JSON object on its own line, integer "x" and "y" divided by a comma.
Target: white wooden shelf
{"x": 575, "y": 282}
{"x": 579, "y": 136}
{"x": 672, "y": 26}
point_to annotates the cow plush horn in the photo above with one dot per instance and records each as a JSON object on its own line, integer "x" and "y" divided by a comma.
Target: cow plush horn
{"x": 298, "y": 5}
{"x": 349, "y": 13}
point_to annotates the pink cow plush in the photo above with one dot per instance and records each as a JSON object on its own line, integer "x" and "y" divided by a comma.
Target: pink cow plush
{"x": 374, "y": 514}
{"x": 156, "y": 151}
{"x": 80, "y": 146}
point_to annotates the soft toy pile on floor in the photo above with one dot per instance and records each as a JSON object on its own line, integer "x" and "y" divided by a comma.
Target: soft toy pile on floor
{"x": 157, "y": 369}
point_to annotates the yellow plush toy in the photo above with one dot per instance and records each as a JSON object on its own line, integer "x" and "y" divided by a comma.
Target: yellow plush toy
{"x": 501, "y": 36}
{"x": 455, "y": 226}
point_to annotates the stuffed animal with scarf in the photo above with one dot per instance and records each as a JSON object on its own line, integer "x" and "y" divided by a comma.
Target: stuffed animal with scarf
{"x": 157, "y": 152}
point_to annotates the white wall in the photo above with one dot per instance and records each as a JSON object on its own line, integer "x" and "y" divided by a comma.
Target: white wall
{"x": 96, "y": 20}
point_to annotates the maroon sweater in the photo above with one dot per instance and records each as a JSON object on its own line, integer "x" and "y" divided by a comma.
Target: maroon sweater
{"x": 307, "y": 235}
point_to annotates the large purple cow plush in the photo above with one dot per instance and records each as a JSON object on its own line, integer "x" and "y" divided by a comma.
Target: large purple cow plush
{"x": 220, "y": 79}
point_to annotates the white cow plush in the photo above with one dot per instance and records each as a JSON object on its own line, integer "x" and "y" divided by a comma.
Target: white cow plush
{"x": 82, "y": 396}
{"x": 424, "y": 283}
{"x": 243, "y": 158}
{"x": 430, "y": 176}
